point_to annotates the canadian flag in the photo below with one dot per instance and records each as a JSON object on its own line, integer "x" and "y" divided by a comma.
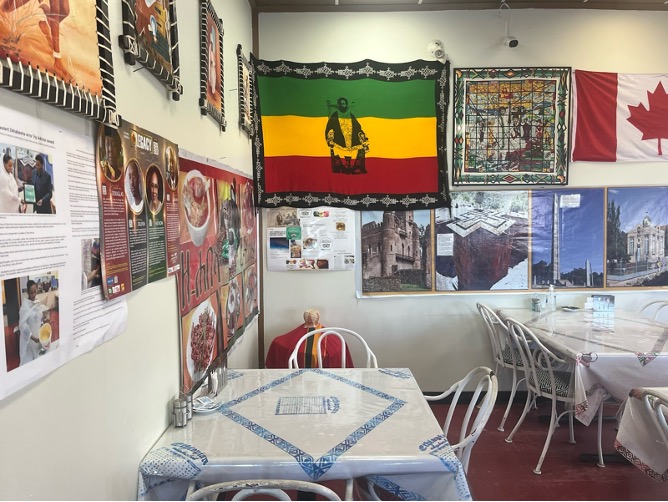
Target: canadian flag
{"x": 620, "y": 117}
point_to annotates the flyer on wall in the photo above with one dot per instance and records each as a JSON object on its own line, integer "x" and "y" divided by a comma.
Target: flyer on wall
{"x": 52, "y": 305}
{"x": 137, "y": 174}
{"x": 320, "y": 238}
{"x": 218, "y": 277}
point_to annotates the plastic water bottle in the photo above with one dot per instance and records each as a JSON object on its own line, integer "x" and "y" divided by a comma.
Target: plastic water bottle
{"x": 552, "y": 299}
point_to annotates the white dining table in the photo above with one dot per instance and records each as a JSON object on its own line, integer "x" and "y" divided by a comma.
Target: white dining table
{"x": 612, "y": 353}
{"x": 638, "y": 439}
{"x": 311, "y": 425}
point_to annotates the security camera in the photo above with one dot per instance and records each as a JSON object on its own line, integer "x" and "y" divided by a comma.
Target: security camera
{"x": 511, "y": 41}
{"x": 435, "y": 48}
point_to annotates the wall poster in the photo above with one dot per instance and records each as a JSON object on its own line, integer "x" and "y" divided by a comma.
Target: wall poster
{"x": 637, "y": 224}
{"x": 52, "y": 307}
{"x": 321, "y": 238}
{"x": 520, "y": 240}
{"x": 59, "y": 52}
{"x": 245, "y": 83}
{"x": 137, "y": 174}
{"x": 218, "y": 281}
{"x": 212, "y": 77}
{"x": 511, "y": 126}
{"x": 151, "y": 37}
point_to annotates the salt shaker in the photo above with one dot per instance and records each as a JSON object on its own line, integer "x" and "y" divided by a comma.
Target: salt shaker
{"x": 180, "y": 412}
{"x": 189, "y": 405}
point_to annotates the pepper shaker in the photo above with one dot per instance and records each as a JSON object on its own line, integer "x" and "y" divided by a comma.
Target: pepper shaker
{"x": 180, "y": 412}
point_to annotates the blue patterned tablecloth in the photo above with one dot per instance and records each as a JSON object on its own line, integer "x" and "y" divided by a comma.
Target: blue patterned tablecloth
{"x": 311, "y": 425}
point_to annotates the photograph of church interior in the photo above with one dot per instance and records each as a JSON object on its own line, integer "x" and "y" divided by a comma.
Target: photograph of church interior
{"x": 499, "y": 332}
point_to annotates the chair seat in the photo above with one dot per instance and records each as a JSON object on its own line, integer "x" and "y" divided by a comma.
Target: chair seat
{"x": 508, "y": 357}
{"x": 562, "y": 380}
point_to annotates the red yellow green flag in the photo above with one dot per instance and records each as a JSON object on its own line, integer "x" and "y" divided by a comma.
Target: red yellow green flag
{"x": 363, "y": 135}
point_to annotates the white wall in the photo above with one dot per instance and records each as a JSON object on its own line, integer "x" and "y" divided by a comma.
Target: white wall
{"x": 440, "y": 338}
{"x": 80, "y": 433}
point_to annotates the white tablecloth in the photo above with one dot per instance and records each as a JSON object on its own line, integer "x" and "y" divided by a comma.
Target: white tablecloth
{"x": 637, "y": 438}
{"x": 311, "y": 425}
{"x": 612, "y": 354}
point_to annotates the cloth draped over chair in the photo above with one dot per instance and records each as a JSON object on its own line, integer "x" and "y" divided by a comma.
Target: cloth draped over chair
{"x": 282, "y": 346}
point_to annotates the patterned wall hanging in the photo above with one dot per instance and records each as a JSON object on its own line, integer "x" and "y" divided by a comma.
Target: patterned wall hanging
{"x": 212, "y": 78}
{"x": 245, "y": 72}
{"x": 60, "y": 54}
{"x": 362, "y": 135}
{"x": 511, "y": 126}
{"x": 150, "y": 36}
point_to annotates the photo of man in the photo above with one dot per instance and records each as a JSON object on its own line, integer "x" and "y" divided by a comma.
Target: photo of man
{"x": 134, "y": 187}
{"x": 348, "y": 144}
{"x": 172, "y": 167}
{"x": 41, "y": 180}
{"x": 110, "y": 154}
{"x": 155, "y": 189}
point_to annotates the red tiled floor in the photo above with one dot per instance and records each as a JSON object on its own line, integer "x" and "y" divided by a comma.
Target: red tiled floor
{"x": 504, "y": 471}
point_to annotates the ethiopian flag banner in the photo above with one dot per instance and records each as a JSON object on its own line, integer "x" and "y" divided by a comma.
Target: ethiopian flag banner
{"x": 363, "y": 135}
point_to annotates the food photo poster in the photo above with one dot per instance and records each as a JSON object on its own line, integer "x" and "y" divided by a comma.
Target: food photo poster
{"x": 217, "y": 283}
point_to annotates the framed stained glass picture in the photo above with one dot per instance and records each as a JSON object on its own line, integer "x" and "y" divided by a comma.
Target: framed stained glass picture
{"x": 60, "y": 53}
{"x": 150, "y": 37}
{"x": 511, "y": 126}
{"x": 211, "y": 101}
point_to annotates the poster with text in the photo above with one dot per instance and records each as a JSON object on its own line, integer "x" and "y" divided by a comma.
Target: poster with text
{"x": 52, "y": 308}
{"x": 137, "y": 175}
{"x": 320, "y": 238}
{"x": 218, "y": 278}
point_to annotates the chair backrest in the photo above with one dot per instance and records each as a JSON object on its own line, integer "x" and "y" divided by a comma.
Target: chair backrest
{"x": 371, "y": 361}
{"x": 536, "y": 358}
{"x": 479, "y": 409}
{"x": 657, "y": 407}
{"x": 272, "y": 487}
{"x": 657, "y": 310}
{"x": 495, "y": 330}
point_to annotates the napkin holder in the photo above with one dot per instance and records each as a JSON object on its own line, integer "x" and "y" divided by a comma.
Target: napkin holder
{"x": 218, "y": 378}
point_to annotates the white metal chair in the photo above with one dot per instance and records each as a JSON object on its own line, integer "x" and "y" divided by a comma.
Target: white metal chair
{"x": 371, "y": 361}
{"x": 266, "y": 487}
{"x": 657, "y": 407}
{"x": 543, "y": 380}
{"x": 657, "y": 310}
{"x": 505, "y": 354}
{"x": 484, "y": 395}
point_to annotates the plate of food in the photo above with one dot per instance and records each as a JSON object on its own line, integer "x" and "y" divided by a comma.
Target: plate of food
{"x": 201, "y": 340}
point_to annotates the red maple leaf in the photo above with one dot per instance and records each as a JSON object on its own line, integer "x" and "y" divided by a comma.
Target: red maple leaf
{"x": 653, "y": 123}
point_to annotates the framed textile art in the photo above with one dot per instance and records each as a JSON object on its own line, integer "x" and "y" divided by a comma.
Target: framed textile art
{"x": 364, "y": 135}
{"x": 211, "y": 82}
{"x": 245, "y": 84}
{"x": 60, "y": 54}
{"x": 511, "y": 126}
{"x": 150, "y": 36}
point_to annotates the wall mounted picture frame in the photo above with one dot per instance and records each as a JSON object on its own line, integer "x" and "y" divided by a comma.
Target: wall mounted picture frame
{"x": 71, "y": 69}
{"x": 150, "y": 37}
{"x": 511, "y": 126}
{"x": 212, "y": 79}
{"x": 245, "y": 73}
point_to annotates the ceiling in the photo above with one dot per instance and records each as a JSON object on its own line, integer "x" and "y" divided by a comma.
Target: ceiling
{"x": 431, "y": 5}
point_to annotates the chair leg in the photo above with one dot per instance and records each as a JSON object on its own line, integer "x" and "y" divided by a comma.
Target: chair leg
{"x": 571, "y": 429}
{"x": 599, "y": 436}
{"x": 554, "y": 421}
{"x": 349, "y": 489}
{"x": 510, "y": 400}
{"x": 527, "y": 405}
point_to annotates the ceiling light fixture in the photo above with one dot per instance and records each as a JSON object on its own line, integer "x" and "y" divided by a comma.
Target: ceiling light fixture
{"x": 508, "y": 39}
